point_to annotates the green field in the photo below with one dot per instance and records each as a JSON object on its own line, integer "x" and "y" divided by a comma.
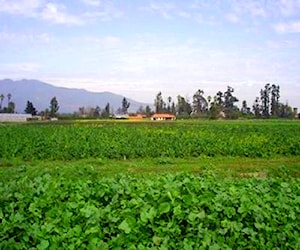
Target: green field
{"x": 147, "y": 185}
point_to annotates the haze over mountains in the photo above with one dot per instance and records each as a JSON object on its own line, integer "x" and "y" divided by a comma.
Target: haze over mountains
{"x": 69, "y": 100}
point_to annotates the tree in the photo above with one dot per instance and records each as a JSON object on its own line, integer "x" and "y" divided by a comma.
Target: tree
{"x": 88, "y": 111}
{"x": 10, "y": 105}
{"x": 215, "y": 106}
{"x": 10, "y": 108}
{"x": 223, "y": 105}
{"x": 200, "y": 104}
{"x": 30, "y": 109}
{"x": 53, "y": 107}
{"x": 169, "y": 104}
{"x": 184, "y": 108}
{"x": 269, "y": 98}
{"x": 97, "y": 111}
{"x": 1, "y": 101}
{"x": 229, "y": 99}
{"x": 8, "y": 98}
{"x": 106, "y": 112}
{"x": 148, "y": 111}
{"x": 256, "y": 107}
{"x": 244, "y": 109}
{"x": 141, "y": 110}
{"x": 159, "y": 103}
{"x": 265, "y": 100}
{"x": 219, "y": 99}
{"x": 45, "y": 114}
{"x": 285, "y": 111}
{"x": 81, "y": 111}
{"x": 275, "y": 99}
{"x": 231, "y": 111}
{"x": 125, "y": 105}
{"x": 173, "y": 108}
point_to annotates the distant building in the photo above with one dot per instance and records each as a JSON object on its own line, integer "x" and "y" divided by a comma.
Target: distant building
{"x": 121, "y": 117}
{"x": 163, "y": 117}
{"x": 129, "y": 117}
{"x": 15, "y": 117}
{"x": 136, "y": 117}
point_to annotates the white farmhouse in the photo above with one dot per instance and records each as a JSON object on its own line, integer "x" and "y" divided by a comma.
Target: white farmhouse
{"x": 14, "y": 117}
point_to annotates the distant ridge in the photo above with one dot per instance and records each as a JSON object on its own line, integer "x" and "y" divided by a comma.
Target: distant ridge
{"x": 69, "y": 99}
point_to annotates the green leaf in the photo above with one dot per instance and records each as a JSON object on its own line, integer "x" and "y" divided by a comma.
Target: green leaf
{"x": 125, "y": 227}
{"x": 201, "y": 215}
{"x": 156, "y": 240}
{"x": 144, "y": 216}
{"x": 43, "y": 245}
{"x": 164, "y": 208}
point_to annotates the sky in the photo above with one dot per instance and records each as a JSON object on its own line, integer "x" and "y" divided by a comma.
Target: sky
{"x": 137, "y": 48}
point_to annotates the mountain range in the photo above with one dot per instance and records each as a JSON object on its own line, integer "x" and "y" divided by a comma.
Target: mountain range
{"x": 69, "y": 99}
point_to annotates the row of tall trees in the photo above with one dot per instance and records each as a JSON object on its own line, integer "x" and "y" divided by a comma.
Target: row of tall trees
{"x": 105, "y": 112}
{"x": 10, "y": 108}
{"x": 269, "y": 105}
{"x": 224, "y": 105}
{"x": 200, "y": 106}
{"x": 30, "y": 109}
{"x": 221, "y": 105}
{"x": 92, "y": 112}
{"x": 50, "y": 112}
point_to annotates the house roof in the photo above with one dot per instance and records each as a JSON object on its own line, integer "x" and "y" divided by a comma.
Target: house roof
{"x": 163, "y": 116}
{"x": 138, "y": 116}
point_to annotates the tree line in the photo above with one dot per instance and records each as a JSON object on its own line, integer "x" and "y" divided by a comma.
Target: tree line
{"x": 50, "y": 112}
{"x": 221, "y": 105}
{"x": 10, "y": 107}
{"x": 106, "y": 112}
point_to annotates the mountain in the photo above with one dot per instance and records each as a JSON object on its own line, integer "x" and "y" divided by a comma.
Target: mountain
{"x": 69, "y": 99}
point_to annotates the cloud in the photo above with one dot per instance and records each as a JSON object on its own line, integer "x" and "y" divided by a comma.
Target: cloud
{"x": 55, "y": 13}
{"x": 20, "y": 7}
{"x": 11, "y": 37}
{"x": 105, "y": 11}
{"x": 91, "y": 2}
{"x": 21, "y": 67}
{"x": 105, "y": 15}
{"x": 253, "y": 8}
{"x": 289, "y": 7}
{"x": 233, "y": 18}
{"x": 39, "y": 9}
{"x": 287, "y": 27}
{"x": 283, "y": 44}
{"x": 105, "y": 41}
{"x": 163, "y": 9}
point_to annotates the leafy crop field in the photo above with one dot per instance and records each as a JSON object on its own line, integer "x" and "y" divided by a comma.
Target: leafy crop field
{"x": 180, "y": 185}
{"x": 124, "y": 140}
{"x": 60, "y": 210}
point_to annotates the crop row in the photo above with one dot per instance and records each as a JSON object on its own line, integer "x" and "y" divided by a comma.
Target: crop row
{"x": 58, "y": 142}
{"x": 179, "y": 211}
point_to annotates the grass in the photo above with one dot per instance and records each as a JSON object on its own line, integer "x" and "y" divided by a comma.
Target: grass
{"x": 236, "y": 167}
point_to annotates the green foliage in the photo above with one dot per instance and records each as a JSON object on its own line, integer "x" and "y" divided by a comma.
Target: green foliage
{"x": 74, "y": 205}
{"x": 154, "y": 140}
{"x": 125, "y": 105}
{"x": 53, "y": 107}
{"x": 80, "y": 210}
{"x": 30, "y": 109}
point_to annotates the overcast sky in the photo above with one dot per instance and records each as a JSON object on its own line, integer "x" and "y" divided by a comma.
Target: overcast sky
{"x": 139, "y": 47}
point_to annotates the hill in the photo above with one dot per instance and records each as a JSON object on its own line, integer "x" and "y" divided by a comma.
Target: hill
{"x": 69, "y": 99}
